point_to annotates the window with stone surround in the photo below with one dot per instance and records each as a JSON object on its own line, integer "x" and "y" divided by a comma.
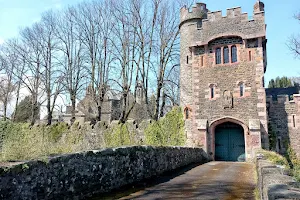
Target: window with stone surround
{"x": 201, "y": 61}
{"x": 199, "y": 24}
{"x": 294, "y": 121}
{"x": 242, "y": 89}
{"x": 225, "y": 49}
{"x": 212, "y": 91}
{"x": 250, "y": 56}
{"x": 218, "y": 56}
{"x": 226, "y": 54}
{"x": 233, "y": 54}
{"x": 187, "y": 113}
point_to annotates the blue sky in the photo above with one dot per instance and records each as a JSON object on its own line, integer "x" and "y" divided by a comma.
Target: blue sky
{"x": 279, "y": 18}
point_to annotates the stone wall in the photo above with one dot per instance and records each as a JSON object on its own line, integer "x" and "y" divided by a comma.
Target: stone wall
{"x": 273, "y": 182}
{"x": 77, "y": 176}
{"x": 284, "y": 118}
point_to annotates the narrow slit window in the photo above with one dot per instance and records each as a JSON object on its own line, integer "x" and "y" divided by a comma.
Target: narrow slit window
{"x": 187, "y": 59}
{"x": 233, "y": 54}
{"x": 279, "y": 144}
{"x": 241, "y": 90}
{"x": 250, "y": 56}
{"x": 294, "y": 121}
{"x": 202, "y": 61}
{"x": 218, "y": 56}
{"x": 226, "y": 54}
{"x": 187, "y": 113}
{"x": 199, "y": 24}
{"x": 212, "y": 92}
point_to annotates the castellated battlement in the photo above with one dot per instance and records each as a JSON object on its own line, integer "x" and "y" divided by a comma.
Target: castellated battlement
{"x": 284, "y": 99}
{"x": 200, "y": 11}
{"x": 233, "y": 13}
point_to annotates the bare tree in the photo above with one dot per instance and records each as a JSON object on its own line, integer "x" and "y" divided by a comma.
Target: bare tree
{"x": 294, "y": 41}
{"x": 50, "y": 77}
{"x": 8, "y": 63}
{"x": 72, "y": 61}
{"x": 30, "y": 52}
{"x": 167, "y": 35}
{"x": 96, "y": 28}
{"x": 18, "y": 70}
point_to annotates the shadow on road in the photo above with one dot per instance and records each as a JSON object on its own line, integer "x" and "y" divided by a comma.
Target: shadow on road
{"x": 141, "y": 185}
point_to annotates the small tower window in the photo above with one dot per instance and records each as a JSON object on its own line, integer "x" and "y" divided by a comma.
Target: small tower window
{"x": 201, "y": 61}
{"x": 218, "y": 56}
{"x": 187, "y": 113}
{"x": 294, "y": 121}
{"x": 233, "y": 54}
{"x": 212, "y": 91}
{"x": 242, "y": 88}
{"x": 250, "y": 56}
{"x": 187, "y": 59}
{"x": 199, "y": 24}
{"x": 226, "y": 54}
{"x": 279, "y": 144}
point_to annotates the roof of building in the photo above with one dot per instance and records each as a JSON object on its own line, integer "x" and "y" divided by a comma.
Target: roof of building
{"x": 282, "y": 91}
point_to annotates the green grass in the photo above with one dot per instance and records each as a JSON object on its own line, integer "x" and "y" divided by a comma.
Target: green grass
{"x": 22, "y": 142}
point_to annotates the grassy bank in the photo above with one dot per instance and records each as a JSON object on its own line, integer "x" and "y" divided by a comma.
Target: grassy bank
{"x": 19, "y": 141}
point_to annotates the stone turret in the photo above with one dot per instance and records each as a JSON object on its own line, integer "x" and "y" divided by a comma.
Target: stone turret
{"x": 259, "y": 7}
{"x": 198, "y": 12}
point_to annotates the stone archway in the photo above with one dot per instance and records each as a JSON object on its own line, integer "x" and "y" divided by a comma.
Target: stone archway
{"x": 228, "y": 139}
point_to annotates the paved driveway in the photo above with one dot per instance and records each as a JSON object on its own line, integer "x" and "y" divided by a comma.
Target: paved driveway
{"x": 214, "y": 180}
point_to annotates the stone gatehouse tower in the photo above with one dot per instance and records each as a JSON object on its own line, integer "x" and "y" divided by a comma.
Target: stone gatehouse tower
{"x": 223, "y": 61}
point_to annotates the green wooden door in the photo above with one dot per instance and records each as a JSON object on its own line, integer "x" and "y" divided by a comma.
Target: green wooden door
{"x": 229, "y": 142}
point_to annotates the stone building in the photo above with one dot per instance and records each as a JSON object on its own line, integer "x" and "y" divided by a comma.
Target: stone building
{"x": 283, "y": 106}
{"x": 223, "y": 61}
{"x": 112, "y": 105}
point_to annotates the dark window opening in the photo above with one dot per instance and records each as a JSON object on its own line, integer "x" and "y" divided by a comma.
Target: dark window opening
{"x": 199, "y": 24}
{"x": 187, "y": 60}
{"x": 218, "y": 56}
{"x": 250, "y": 56}
{"x": 279, "y": 144}
{"x": 241, "y": 90}
{"x": 212, "y": 93}
{"x": 294, "y": 121}
{"x": 202, "y": 61}
{"x": 226, "y": 54}
{"x": 233, "y": 54}
{"x": 187, "y": 113}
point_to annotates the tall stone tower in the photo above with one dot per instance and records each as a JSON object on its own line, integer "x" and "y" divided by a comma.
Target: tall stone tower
{"x": 222, "y": 66}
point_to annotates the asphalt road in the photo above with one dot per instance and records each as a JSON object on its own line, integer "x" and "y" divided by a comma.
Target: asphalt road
{"x": 214, "y": 180}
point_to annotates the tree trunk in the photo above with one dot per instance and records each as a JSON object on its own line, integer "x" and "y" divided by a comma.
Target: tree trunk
{"x": 49, "y": 111}
{"x": 17, "y": 100}
{"x": 73, "y": 102}
{"x": 33, "y": 109}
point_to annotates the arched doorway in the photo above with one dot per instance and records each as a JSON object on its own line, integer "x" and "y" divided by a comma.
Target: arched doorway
{"x": 229, "y": 142}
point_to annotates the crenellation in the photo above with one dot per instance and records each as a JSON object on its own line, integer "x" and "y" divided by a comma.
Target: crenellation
{"x": 214, "y": 16}
{"x": 233, "y": 12}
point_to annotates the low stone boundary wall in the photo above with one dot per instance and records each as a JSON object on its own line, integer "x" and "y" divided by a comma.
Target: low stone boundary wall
{"x": 274, "y": 183}
{"x": 76, "y": 176}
